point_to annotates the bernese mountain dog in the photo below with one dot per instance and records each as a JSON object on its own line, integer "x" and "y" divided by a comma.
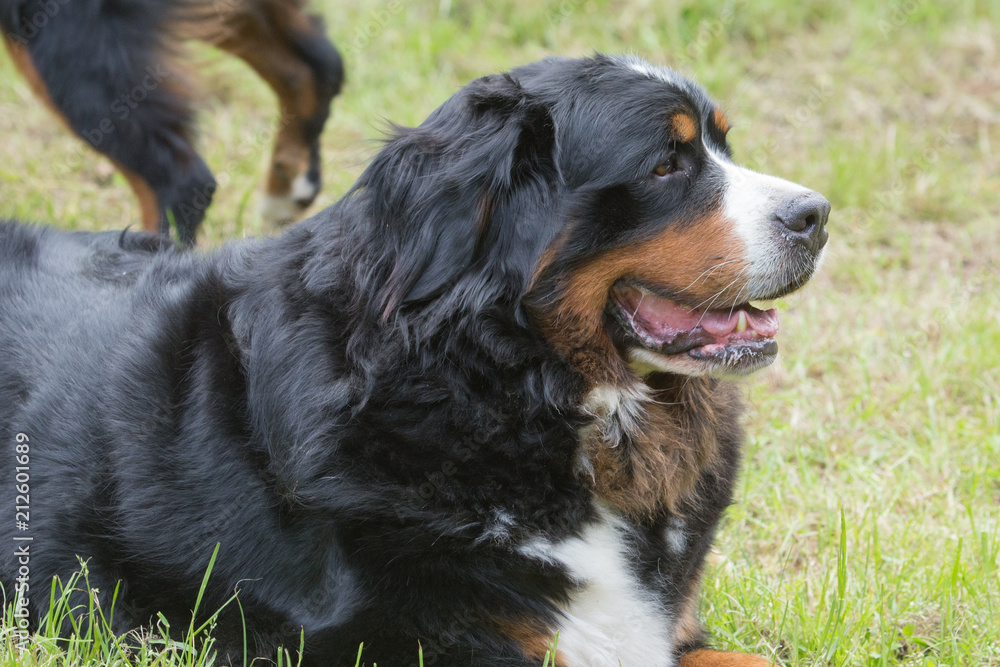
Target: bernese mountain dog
{"x": 484, "y": 400}
{"x": 108, "y": 69}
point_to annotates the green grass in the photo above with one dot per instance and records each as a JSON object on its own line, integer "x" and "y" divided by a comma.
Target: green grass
{"x": 866, "y": 529}
{"x": 85, "y": 616}
{"x": 77, "y": 631}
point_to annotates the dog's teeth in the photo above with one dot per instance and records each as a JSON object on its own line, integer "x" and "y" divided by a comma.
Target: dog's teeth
{"x": 762, "y": 305}
{"x": 741, "y": 324}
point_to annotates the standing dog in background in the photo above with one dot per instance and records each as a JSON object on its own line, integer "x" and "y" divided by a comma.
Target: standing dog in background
{"x": 105, "y": 67}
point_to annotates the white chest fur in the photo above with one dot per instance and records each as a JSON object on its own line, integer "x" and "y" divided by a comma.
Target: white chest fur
{"x": 611, "y": 619}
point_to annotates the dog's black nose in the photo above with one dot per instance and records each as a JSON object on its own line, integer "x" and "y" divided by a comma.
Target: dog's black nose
{"x": 805, "y": 217}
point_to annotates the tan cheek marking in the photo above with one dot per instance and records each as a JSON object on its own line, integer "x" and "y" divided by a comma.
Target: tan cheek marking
{"x": 707, "y": 658}
{"x": 684, "y": 127}
{"x": 703, "y": 260}
{"x": 720, "y": 120}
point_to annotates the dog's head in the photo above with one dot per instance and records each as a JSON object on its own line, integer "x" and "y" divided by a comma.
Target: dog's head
{"x": 598, "y": 197}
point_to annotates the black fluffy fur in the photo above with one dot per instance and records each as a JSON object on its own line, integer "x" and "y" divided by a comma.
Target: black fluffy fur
{"x": 361, "y": 411}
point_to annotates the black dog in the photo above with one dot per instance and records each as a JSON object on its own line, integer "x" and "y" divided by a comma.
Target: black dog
{"x": 106, "y": 67}
{"x": 479, "y": 401}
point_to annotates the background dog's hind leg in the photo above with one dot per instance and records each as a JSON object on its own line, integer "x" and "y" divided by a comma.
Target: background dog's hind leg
{"x": 105, "y": 68}
{"x": 290, "y": 51}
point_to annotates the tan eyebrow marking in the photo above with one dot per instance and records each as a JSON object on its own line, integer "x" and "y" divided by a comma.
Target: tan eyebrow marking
{"x": 720, "y": 120}
{"x": 684, "y": 127}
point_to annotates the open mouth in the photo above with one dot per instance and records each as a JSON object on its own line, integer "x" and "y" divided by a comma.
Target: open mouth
{"x": 739, "y": 338}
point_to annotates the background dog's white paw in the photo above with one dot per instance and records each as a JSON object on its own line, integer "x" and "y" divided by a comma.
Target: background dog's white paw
{"x": 277, "y": 211}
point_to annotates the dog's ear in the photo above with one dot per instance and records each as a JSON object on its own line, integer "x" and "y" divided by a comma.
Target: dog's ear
{"x": 466, "y": 190}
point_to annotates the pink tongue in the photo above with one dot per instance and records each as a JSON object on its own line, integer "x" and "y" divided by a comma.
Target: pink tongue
{"x": 665, "y": 319}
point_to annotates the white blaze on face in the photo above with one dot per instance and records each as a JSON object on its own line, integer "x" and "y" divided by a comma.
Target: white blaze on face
{"x": 752, "y": 201}
{"x": 611, "y": 619}
{"x": 664, "y": 74}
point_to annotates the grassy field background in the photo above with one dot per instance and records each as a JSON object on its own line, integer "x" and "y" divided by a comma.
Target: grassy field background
{"x": 867, "y": 528}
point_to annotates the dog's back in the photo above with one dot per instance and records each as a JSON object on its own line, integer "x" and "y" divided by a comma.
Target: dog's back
{"x": 66, "y": 306}
{"x": 58, "y": 291}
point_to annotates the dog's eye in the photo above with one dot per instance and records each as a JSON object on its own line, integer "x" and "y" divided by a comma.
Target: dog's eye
{"x": 667, "y": 167}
